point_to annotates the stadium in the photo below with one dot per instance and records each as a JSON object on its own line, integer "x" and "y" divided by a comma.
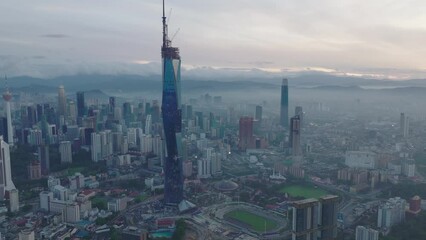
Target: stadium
{"x": 251, "y": 218}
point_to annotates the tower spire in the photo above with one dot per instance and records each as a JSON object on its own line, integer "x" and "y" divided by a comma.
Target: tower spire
{"x": 165, "y": 37}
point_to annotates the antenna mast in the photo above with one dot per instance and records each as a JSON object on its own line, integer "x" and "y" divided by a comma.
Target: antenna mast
{"x": 165, "y": 38}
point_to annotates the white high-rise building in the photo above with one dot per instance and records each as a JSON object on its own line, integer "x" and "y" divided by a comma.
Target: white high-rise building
{"x": 364, "y": 233}
{"x": 145, "y": 143}
{"x": 6, "y": 183}
{"x": 65, "y": 151}
{"x": 148, "y": 124}
{"x": 391, "y": 213}
{"x": 14, "y": 200}
{"x": 204, "y": 168}
{"x": 96, "y": 147}
{"x": 62, "y": 102}
{"x": 216, "y": 161}
{"x": 7, "y": 96}
{"x": 404, "y": 125}
{"x": 26, "y": 234}
{"x": 45, "y": 198}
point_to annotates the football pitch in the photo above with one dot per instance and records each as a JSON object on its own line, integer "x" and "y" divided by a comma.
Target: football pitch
{"x": 303, "y": 191}
{"x": 254, "y": 221}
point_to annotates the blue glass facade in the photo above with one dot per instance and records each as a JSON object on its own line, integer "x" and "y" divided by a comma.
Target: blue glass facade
{"x": 284, "y": 104}
{"x": 172, "y": 123}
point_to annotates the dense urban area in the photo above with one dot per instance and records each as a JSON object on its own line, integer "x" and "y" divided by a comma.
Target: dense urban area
{"x": 230, "y": 160}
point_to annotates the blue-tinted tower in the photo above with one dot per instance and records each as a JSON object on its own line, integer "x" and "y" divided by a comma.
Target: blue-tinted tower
{"x": 172, "y": 120}
{"x": 284, "y": 104}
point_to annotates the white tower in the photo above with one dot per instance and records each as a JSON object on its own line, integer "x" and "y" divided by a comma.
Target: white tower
{"x": 7, "y": 96}
{"x": 62, "y": 107}
{"x": 6, "y": 183}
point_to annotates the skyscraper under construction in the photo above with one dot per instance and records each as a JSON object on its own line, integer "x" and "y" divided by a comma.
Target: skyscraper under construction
{"x": 172, "y": 119}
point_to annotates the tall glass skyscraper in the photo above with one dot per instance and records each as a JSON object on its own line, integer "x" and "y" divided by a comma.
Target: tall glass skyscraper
{"x": 284, "y": 104}
{"x": 172, "y": 120}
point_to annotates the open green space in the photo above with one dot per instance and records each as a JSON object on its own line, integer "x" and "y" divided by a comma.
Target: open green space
{"x": 304, "y": 191}
{"x": 256, "y": 222}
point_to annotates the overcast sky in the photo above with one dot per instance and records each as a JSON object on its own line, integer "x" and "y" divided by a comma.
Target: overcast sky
{"x": 380, "y": 38}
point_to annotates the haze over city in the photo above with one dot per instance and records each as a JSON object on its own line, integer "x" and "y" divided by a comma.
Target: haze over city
{"x": 212, "y": 120}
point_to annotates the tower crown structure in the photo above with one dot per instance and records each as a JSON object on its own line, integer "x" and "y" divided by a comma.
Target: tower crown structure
{"x": 7, "y": 96}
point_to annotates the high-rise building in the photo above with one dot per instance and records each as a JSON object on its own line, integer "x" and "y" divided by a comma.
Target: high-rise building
{"x": 26, "y": 234}
{"x": 43, "y": 158}
{"x": 65, "y": 151}
{"x": 246, "y": 137}
{"x": 111, "y": 104}
{"x": 62, "y": 102}
{"x": 45, "y": 198}
{"x": 34, "y": 170}
{"x": 3, "y": 128}
{"x": 365, "y": 233}
{"x": 391, "y": 212}
{"x": 258, "y": 113}
{"x": 305, "y": 219}
{"x": 81, "y": 109}
{"x": 204, "y": 168}
{"x": 298, "y": 111}
{"x": 14, "y": 200}
{"x": 6, "y": 183}
{"x": 172, "y": 119}
{"x": 148, "y": 125}
{"x": 315, "y": 219}
{"x": 284, "y": 104}
{"x": 294, "y": 141}
{"x": 7, "y": 96}
{"x": 328, "y": 217}
{"x": 404, "y": 124}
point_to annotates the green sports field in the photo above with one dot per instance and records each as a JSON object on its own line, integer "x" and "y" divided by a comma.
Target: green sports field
{"x": 303, "y": 191}
{"x": 256, "y": 222}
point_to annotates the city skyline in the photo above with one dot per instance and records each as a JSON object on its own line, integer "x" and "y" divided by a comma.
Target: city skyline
{"x": 379, "y": 40}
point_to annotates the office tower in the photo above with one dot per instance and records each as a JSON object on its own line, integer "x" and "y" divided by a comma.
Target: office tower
{"x": 72, "y": 112}
{"x": 284, "y": 104}
{"x": 6, "y": 183}
{"x": 315, "y": 219}
{"x": 305, "y": 219}
{"x": 148, "y": 125}
{"x": 62, "y": 102}
{"x": 14, "y": 200}
{"x": 65, "y": 151}
{"x": 328, "y": 217}
{"x": 7, "y": 96}
{"x": 111, "y": 104}
{"x": 189, "y": 111}
{"x": 294, "y": 140}
{"x": 391, "y": 212}
{"x": 298, "y": 111}
{"x": 199, "y": 119}
{"x": 245, "y": 133}
{"x": 45, "y": 198}
{"x": 204, "y": 168}
{"x": 80, "y": 105}
{"x": 172, "y": 119}
{"x": 258, "y": 114}
{"x": 155, "y": 110}
{"x": 404, "y": 125}
{"x": 3, "y": 128}
{"x": 365, "y": 233}
{"x": 34, "y": 170}
{"x": 127, "y": 112}
{"x": 97, "y": 147}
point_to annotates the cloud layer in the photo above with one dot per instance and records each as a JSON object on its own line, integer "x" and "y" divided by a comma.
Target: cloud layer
{"x": 377, "y": 38}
